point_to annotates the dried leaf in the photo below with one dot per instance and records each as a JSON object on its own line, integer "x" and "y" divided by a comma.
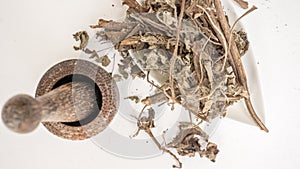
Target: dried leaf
{"x": 104, "y": 60}
{"x": 187, "y": 128}
{"x": 117, "y": 77}
{"x": 83, "y": 37}
{"x": 101, "y": 23}
{"x": 241, "y": 40}
{"x": 136, "y": 99}
{"x": 137, "y": 72}
{"x": 93, "y": 54}
{"x": 210, "y": 152}
{"x": 134, "y": 6}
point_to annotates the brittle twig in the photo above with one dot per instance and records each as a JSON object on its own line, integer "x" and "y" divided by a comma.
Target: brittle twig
{"x": 146, "y": 123}
{"x": 149, "y": 132}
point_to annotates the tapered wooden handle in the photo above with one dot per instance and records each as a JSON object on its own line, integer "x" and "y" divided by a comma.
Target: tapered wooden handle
{"x": 70, "y": 102}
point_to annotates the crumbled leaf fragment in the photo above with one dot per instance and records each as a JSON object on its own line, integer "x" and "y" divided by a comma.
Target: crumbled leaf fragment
{"x": 93, "y": 54}
{"x": 134, "y": 6}
{"x": 117, "y": 78}
{"x": 83, "y": 37}
{"x": 136, "y": 99}
{"x": 241, "y": 40}
{"x": 210, "y": 152}
{"x": 101, "y": 23}
{"x": 243, "y": 4}
{"x": 104, "y": 60}
{"x": 137, "y": 72}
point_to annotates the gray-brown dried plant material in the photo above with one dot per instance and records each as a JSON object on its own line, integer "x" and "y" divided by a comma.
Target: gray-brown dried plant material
{"x": 83, "y": 37}
{"x": 193, "y": 54}
{"x": 136, "y": 99}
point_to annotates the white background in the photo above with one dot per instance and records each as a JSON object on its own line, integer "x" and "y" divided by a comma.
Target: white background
{"x": 36, "y": 34}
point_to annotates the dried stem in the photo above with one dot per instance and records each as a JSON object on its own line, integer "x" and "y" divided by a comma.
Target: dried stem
{"x": 149, "y": 132}
{"x": 242, "y": 3}
{"x": 254, "y": 115}
{"x": 233, "y": 50}
{"x": 173, "y": 59}
{"x": 146, "y": 126}
{"x": 219, "y": 33}
{"x": 241, "y": 17}
{"x": 235, "y": 57}
{"x": 140, "y": 115}
{"x": 198, "y": 66}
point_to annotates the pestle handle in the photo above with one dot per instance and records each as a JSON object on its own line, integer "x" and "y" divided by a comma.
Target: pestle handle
{"x": 70, "y": 102}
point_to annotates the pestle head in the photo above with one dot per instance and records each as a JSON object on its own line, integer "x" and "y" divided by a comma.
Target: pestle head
{"x": 22, "y": 114}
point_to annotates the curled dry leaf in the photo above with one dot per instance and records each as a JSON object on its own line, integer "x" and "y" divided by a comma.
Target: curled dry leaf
{"x": 83, "y": 37}
{"x": 210, "y": 152}
{"x": 188, "y": 142}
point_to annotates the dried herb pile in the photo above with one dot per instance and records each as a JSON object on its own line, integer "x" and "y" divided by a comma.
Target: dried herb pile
{"x": 193, "y": 54}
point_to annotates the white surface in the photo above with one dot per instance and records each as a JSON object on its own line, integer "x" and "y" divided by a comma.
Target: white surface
{"x": 34, "y": 35}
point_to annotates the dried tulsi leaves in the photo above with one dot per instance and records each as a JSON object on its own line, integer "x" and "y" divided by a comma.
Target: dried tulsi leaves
{"x": 193, "y": 54}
